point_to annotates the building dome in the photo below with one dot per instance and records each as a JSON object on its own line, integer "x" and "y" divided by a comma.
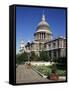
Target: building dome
{"x": 43, "y": 32}
{"x": 43, "y": 26}
{"x": 43, "y": 22}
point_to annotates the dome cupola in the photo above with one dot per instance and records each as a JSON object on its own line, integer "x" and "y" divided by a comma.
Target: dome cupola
{"x": 43, "y": 32}
{"x": 43, "y": 24}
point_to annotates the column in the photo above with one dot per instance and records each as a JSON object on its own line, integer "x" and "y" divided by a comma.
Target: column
{"x": 57, "y": 53}
{"x": 52, "y": 54}
{"x": 35, "y": 37}
{"x": 41, "y": 35}
{"x": 45, "y": 36}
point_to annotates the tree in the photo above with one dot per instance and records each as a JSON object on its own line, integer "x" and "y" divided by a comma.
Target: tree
{"x": 21, "y": 58}
{"x": 61, "y": 63}
{"x": 33, "y": 56}
{"x": 17, "y": 58}
{"x": 43, "y": 56}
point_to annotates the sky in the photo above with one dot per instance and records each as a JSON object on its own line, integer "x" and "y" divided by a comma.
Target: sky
{"x": 27, "y": 19}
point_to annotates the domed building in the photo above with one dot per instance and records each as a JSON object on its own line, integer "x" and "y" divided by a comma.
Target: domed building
{"x": 43, "y": 40}
{"x": 42, "y": 35}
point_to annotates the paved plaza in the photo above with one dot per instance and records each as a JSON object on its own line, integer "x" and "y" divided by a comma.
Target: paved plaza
{"x": 28, "y": 75}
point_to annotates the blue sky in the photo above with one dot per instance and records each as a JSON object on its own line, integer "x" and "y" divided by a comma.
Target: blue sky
{"x": 27, "y": 19}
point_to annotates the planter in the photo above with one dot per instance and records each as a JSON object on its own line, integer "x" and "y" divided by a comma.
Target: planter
{"x": 54, "y": 76}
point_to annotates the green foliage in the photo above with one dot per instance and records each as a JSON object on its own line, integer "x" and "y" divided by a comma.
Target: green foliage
{"x": 54, "y": 68}
{"x": 21, "y": 58}
{"x": 61, "y": 72}
{"x": 46, "y": 70}
{"x": 61, "y": 62}
{"x": 33, "y": 56}
{"x": 44, "y": 56}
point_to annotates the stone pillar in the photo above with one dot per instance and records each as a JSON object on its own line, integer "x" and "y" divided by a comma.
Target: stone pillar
{"x": 44, "y": 35}
{"x": 57, "y": 53}
{"x": 41, "y": 35}
{"x": 36, "y": 37}
{"x": 52, "y": 54}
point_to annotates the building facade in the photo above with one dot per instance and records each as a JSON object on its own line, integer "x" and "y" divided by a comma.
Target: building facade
{"x": 43, "y": 40}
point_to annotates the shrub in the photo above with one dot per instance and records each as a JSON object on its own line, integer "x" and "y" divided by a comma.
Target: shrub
{"x": 44, "y": 56}
{"x": 21, "y": 58}
{"x": 47, "y": 70}
{"x": 43, "y": 69}
{"x": 33, "y": 56}
{"x": 61, "y": 62}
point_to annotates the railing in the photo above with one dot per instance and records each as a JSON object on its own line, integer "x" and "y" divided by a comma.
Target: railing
{"x": 42, "y": 75}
